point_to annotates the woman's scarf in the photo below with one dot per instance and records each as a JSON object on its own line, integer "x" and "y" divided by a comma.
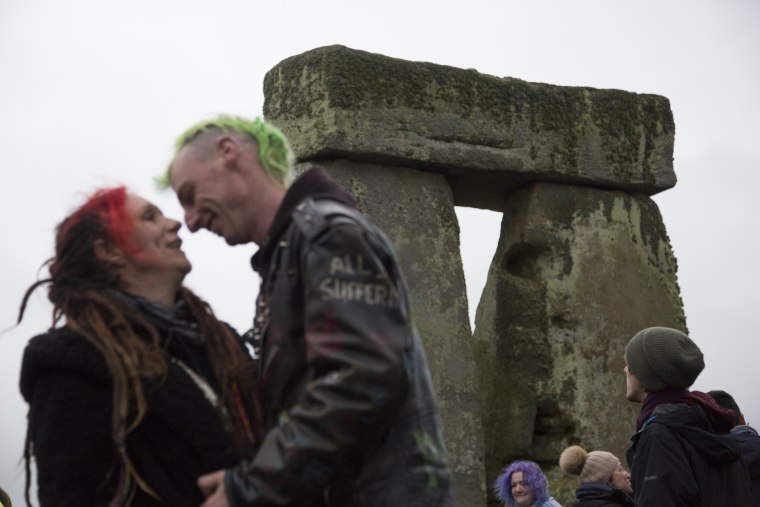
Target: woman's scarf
{"x": 175, "y": 320}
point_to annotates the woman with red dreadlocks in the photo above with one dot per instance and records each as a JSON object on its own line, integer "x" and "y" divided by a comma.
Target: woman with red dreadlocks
{"x": 142, "y": 389}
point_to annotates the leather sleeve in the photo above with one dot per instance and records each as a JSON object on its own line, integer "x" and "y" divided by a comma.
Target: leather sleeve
{"x": 356, "y": 335}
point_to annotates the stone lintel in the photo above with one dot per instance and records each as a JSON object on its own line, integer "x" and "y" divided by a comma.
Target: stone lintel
{"x": 486, "y": 134}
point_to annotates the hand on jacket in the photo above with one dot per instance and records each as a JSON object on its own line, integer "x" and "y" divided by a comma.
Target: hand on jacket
{"x": 212, "y": 487}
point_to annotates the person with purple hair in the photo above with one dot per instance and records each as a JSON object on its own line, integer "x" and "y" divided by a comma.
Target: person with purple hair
{"x": 523, "y": 484}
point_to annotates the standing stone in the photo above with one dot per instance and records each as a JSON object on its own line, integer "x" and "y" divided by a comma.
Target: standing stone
{"x": 577, "y": 272}
{"x": 416, "y": 210}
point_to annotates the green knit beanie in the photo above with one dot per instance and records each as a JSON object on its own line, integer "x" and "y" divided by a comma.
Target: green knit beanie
{"x": 661, "y": 357}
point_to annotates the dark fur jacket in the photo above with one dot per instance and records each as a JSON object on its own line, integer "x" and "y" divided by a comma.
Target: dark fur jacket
{"x": 68, "y": 387}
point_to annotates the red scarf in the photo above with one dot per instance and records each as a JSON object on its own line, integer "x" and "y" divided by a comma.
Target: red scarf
{"x": 721, "y": 419}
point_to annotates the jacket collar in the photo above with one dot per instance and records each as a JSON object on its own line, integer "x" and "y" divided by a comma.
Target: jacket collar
{"x": 314, "y": 183}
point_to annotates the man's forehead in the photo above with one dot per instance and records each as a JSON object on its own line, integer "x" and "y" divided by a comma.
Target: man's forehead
{"x": 185, "y": 164}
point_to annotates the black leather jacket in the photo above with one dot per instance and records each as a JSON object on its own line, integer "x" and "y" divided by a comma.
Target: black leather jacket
{"x": 347, "y": 395}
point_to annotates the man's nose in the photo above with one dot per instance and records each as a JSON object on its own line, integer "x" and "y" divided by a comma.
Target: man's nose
{"x": 192, "y": 219}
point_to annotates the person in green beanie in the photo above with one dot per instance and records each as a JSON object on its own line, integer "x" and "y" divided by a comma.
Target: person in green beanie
{"x": 682, "y": 453}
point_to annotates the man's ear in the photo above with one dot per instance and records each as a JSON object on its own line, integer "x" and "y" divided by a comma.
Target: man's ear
{"x": 109, "y": 253}
{"x": 228, "y": 148}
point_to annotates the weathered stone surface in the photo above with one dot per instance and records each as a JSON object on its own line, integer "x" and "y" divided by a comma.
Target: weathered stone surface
{"x": 415, "y": 209}
{"x": 577, "y": 272}
{"x": 583, "y": 261}
{"x": 486, "y": 134}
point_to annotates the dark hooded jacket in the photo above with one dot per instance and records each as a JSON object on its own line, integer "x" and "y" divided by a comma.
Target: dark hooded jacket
{"x": 750, "y": 446}
{"x": 68, "y": 386}
{"x": 601, "y": 495}
{"x": 347, "y": 395}
{"x": 677, "y": 459}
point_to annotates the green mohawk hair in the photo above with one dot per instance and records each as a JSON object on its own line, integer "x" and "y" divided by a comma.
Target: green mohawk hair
{"x": 275, "y": 153}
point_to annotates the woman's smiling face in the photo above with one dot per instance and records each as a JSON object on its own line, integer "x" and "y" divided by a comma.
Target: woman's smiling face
{"x": 522, "y": 493}
{"x": 621, "y": 480}
{"x": 157, "y": 246}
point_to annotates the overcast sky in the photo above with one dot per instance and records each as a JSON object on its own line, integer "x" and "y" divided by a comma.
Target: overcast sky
{"x": 94, "y": 92}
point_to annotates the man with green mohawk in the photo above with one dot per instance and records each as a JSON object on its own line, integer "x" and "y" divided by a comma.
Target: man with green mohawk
{"x": 350, "y": 417}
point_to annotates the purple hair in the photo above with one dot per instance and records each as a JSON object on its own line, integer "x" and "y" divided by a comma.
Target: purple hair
{"x": 532, "y": 474}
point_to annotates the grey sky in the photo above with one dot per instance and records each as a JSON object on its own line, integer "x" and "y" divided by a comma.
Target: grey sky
{"x": 93, "y": 93}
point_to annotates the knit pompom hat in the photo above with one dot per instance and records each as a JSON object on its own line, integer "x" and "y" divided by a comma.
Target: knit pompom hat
{"x": 594, "y": 466}
{"x": 661, "y": 357}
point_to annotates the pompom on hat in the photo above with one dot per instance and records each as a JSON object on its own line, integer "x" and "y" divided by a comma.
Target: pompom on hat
{"x": 661, "y": 357}
{"x": 590, "y": 467}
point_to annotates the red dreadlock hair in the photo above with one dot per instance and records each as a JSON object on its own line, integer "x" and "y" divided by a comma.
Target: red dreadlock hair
{"x": 130, "y": 344}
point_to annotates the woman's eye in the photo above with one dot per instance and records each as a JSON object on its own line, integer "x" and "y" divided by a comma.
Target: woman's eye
{"x": 151, "y": 214}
